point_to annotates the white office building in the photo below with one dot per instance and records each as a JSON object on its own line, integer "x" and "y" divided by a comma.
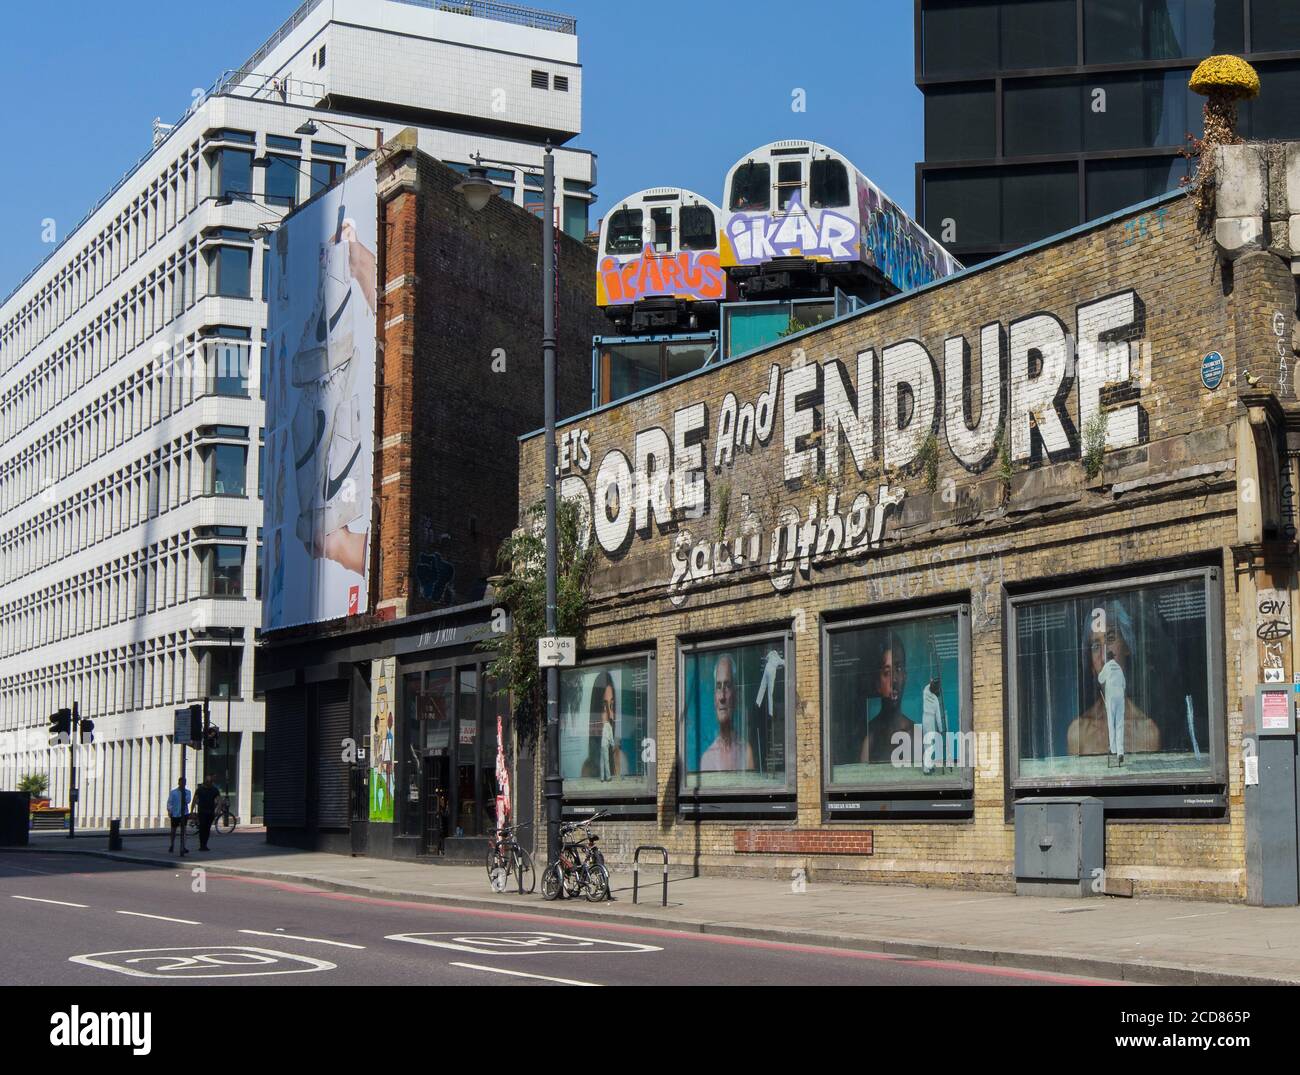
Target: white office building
{"x": 131, "y": 410}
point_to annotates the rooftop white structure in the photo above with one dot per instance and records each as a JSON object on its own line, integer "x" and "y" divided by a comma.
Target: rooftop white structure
{"x": 131, "y": 397}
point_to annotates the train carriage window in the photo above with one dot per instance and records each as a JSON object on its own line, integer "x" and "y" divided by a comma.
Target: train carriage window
{"x": 624, "y": 232}
{"x": 661, "y": 221}
{"x": 698, "y": 229}
{"x": 789, "y": 181}
{"x": 752, "y": 187}
{"x": 830, "y": 185}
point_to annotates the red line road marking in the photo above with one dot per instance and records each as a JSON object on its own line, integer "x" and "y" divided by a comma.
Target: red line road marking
{"x": 685, "y": 935}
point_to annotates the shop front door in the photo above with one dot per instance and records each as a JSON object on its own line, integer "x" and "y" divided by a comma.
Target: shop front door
{"x": 436, "y": 791}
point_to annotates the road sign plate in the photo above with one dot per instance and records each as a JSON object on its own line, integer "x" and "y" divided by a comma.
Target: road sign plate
{"x": 557, "y": 652}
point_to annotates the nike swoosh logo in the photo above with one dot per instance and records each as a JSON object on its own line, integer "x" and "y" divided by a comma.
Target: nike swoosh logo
{"x": 320, "y": 432}
{"x": 332, "y": 485}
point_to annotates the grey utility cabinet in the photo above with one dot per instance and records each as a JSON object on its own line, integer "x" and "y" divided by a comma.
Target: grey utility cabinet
{"x": 1060, "y": 846}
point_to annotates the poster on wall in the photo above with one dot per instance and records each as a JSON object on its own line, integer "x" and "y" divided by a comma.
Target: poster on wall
{"x": 894, "y": 702}
{"x": 320, "y": 407}
{"x": 604, "y": 722}
{"x": 734, "y": 717}
{"x": 1115, "y": 683}
{"x": 383, "y": 776}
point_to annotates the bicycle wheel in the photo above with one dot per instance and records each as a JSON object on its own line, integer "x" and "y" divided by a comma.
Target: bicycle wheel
{"x": 573, "y": 882}
{"x": 192, "y": 825}
{"x": 499, "y": 869}
{"x": 524, "y": 875}
{"x": 597, "y": 887}
{"x": 552, "y": 882}
{"x": 225, "y": 824}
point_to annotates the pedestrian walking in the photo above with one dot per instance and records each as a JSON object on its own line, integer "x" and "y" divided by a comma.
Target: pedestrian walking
{"x": 205, "y": 803}
{"x": 178, "y": 809}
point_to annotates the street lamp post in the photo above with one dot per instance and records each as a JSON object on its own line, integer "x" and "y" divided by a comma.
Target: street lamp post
{"x": 478, "y": 191}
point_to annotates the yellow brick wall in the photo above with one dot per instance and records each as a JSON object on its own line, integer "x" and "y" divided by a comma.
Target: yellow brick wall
{"x": 960, "y": 542}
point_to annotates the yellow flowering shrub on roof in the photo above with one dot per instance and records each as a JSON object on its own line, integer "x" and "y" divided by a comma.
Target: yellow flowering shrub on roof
{"x": 1227, "y": 75}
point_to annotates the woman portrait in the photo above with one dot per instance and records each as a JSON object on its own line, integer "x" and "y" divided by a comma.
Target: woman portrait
{"x": 1112, "y": 723}
{"x": 605, "y": 759}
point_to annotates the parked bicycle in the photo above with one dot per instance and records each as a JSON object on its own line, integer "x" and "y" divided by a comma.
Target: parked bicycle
{"x": 508, "y": 861}
{"x": 224, "y": 822}
{"x": 580, "y": 869}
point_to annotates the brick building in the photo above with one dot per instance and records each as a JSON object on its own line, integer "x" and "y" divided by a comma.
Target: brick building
{"x": 382, "y": 728}
{"x": 1025, "y": 532}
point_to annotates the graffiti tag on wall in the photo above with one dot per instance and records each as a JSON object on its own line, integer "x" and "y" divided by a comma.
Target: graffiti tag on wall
{"x": 689, "y": 275}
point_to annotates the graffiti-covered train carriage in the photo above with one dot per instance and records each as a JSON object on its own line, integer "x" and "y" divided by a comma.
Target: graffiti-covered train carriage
{"x": 660, "y": 264}
{"x": 802, "y": 220}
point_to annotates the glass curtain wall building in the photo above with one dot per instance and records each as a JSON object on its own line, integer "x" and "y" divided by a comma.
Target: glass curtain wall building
{"x": 1041, "y": 114}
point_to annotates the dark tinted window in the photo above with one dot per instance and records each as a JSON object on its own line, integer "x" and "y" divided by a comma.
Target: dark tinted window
{"x": 960, "y": 122}
{"x": 624, "y": 232}
{"x": 752, "y": 187}
{"x": 1117, "y": 31}
{"x": 1140, "y": 110}
{"x": 282, "y": 180}
{"x": 1274, "y": 25}
{"x": 1039, "y": 33}
{"x": 323, "y": 173}
{"x": 1276, "y": 112}
{"x": 699, "y": 230}
{"x": 1115, "y": 185}
{"x": 830, "y": 185}
{"x": 1038, "y": 202}
{"x": 959, "y": 37}
{"x": 232, "y": 172}
{"x": 965, "y": 204}
{"x": 1041, "y": 117}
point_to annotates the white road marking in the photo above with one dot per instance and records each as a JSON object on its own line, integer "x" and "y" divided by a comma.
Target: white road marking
{"x": 1202, "y": 914}
{"x": 314, "y": 940}
{"x": 215, "y": 961}
{"x": 61, "y": 903}
{"x": 522, "y": 942}
{"x": 521, "y": 974}
{"x": 160, "y": 918}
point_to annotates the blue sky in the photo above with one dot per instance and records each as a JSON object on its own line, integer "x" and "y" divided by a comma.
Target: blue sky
{"x": 84, "y": 79}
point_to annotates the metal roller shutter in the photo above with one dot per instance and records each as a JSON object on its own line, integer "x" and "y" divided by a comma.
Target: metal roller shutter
{"x": 333, "y": 725}
{"x": 286, "y": 759}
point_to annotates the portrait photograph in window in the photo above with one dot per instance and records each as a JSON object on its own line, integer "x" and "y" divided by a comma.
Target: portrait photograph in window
{"x": 734, "y": 717}
{"x": 1117, "y": 684}
{"x": 895, "y": 701}
{"x": 606, "y": 716}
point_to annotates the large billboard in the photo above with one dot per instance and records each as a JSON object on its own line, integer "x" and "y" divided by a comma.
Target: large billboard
{"x": 320, "y": 407}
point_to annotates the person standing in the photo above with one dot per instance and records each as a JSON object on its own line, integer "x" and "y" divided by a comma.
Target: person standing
{"x": 178, "y": 809}
{"x": 205, "y": 802}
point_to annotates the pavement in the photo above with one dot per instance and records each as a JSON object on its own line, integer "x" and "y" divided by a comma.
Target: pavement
{"x": 1154, "y": 941}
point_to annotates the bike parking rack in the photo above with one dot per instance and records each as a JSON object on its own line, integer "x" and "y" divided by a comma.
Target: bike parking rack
{"x": 636, "y": 869}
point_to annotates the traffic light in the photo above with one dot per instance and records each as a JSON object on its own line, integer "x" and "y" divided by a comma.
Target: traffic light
{"x": 210, "y": 734}
{"x": 196, "y": 725}
{"x": 87, "y": 731}
{"x": 60, "y": 726}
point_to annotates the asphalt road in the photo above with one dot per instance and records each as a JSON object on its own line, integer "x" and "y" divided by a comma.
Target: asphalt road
{"x": 74, "y": 920}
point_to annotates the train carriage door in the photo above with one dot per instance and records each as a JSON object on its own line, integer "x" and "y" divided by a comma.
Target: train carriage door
{"x": 661, "y": 229}
{"x": 789, "y": 185}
